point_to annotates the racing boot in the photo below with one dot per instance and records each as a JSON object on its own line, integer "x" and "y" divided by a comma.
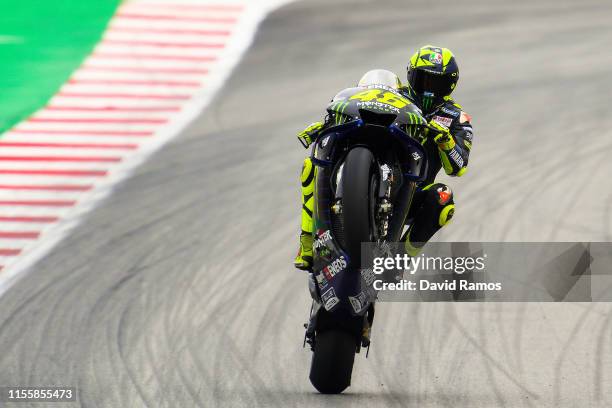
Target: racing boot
{"x": 303, "y": 260}
{"x": 434, "y": 208}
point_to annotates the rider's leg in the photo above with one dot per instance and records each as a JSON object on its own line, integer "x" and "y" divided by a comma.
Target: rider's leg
{"x": 303, "y": 260}
{"x": 433, "y": 208}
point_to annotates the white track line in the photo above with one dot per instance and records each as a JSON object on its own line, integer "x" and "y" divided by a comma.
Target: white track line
{"x": 157, "y": 67}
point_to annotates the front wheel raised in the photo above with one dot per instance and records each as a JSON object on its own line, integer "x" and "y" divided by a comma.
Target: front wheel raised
{"x": 358, "y": 188}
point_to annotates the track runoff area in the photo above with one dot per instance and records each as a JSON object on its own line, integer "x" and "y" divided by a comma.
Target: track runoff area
{"x": 156, "y": 67}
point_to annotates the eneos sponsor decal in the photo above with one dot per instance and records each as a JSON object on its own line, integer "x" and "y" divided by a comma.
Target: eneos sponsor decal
{"x": 333, "y": 268}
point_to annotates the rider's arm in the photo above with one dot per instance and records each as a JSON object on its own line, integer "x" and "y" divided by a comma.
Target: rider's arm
{"x": 454, "y": 144}
{"x": 312, "y": 131}
{"x": 308, "y": 135}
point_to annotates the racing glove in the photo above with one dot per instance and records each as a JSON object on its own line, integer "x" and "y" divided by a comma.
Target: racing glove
{"x": 443, "y": 137}
{"x": 452, "y": 155}
{"x": 308, "y": 135}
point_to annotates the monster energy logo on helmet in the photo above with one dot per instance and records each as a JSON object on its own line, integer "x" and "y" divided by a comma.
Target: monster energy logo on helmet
{"x": 433, "y": 74}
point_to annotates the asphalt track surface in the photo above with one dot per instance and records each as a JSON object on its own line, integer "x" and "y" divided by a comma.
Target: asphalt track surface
{"x": 178, "y": 289}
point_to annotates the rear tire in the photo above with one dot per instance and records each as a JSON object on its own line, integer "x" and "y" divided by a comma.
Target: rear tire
{"x": 357, "y": 181}
{"x": 332, "y": 361}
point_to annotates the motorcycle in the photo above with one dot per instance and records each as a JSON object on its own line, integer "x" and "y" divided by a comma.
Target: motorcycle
{"x": 367, "y": 167}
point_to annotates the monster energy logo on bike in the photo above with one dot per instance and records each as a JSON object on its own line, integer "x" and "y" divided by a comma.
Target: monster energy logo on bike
{"x": 322, "y": 239}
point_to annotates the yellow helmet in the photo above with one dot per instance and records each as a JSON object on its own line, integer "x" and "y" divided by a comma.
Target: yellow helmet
{"x": 433, "y": 74}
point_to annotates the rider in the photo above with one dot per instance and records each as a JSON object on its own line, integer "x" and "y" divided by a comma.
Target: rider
{"x": 432, "y": 76}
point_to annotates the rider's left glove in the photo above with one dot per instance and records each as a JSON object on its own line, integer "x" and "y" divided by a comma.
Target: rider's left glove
{"x": 442, "y": 136}
{"x": 308, "y": 135}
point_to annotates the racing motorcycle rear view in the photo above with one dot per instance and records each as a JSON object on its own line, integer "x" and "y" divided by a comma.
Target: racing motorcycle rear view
{"x": 367, "y": 167}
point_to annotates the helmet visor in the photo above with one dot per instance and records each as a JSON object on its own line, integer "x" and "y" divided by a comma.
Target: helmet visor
{"x": 439, "y": 85}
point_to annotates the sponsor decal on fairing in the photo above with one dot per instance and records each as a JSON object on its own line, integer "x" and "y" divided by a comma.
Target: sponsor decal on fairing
{"x": 321, "y": 281}
{"x": 329, "y": 298}
{"x": 358, "y": 302}
{"x": 322, "y": 238}
{"x": 334, "y": 268}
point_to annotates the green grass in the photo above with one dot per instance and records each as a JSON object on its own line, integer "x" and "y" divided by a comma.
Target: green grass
{"x": 41, "y": 43}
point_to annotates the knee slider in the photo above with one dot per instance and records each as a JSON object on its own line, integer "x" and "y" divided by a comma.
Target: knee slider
{"x": 441, "y": 196}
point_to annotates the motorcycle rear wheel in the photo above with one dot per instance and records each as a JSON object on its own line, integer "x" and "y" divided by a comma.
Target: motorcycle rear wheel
{"x": 332, "y": 361}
